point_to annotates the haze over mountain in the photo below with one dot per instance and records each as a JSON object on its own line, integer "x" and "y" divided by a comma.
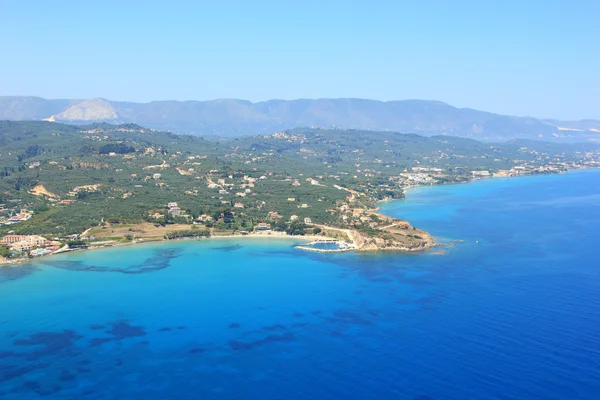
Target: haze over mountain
{"x": 233, "y": 117}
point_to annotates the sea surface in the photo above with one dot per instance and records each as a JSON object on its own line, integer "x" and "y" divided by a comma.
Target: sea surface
{"x": 510, "y": 311}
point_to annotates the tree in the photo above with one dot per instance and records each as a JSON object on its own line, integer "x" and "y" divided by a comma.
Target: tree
{"x": 118, "y": 148}
{"x": 5, "y": 252}
{"x": 296, "y": 228}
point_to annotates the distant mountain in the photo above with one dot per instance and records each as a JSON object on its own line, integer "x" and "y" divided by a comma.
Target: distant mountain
{"x": 87, "y": 110}
{"x": 232, "y": 117}
{"x": 583, "y": 125}
{"x": 26, "y": 108}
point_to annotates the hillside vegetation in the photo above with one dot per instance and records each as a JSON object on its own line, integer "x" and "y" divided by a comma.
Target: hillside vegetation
{"x": 77, "y": 177}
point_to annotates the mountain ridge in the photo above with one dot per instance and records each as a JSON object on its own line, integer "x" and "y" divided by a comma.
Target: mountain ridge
{"x": 230, "y": 117}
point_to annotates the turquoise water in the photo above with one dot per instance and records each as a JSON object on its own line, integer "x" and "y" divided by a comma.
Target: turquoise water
{"x": 326, "y": 246}
{"x": 510, "y": 311}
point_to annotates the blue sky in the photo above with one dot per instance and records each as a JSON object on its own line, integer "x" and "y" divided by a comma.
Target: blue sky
{"x": 538, "y": 58}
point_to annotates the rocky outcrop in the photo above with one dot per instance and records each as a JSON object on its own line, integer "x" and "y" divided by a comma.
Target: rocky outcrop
{"x": 408, "y": 240}
{"x": 393, "y": 235}
{"x": 88, "y": 110}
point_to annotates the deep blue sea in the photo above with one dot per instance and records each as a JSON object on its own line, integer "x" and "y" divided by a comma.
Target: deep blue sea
{"x": 510, "y": 311}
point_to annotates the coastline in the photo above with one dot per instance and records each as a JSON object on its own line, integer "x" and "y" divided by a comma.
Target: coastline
{"x": 408, "y": 188}
{"x": 568, "y": 171}
{"x": 259, "y": 235}
{"x": 350, "y": 245}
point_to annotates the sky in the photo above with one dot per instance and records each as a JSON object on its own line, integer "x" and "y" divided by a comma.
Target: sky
{"x": 526, "y": 58}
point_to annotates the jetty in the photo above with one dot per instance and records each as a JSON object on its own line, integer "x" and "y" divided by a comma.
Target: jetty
{"x": 341, "y": 246}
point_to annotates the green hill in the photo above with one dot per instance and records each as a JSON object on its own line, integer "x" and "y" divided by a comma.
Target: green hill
{"x": 74, "y": 177}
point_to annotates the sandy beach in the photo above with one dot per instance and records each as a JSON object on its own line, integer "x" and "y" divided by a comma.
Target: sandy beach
{"x": 250, "y": 235}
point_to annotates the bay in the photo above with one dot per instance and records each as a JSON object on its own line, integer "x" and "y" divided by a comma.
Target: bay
{"x": 509, "y": 311}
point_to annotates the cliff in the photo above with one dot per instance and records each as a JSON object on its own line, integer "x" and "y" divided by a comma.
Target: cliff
{"x": 399, "y": 236}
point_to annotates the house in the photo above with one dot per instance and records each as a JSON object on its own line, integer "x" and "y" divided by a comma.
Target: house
{"x": 308, "y": 221}
{"x": 24, "y": 215}
{"x": 36, "y": 240}
{"x": 13, "y": 220}
{"x": 304, "y": 205}
{"x": 296, "y": 183}
{"x": 53, "y": 246}
{"x": 87, "y": 188}
{"x": 373, "y": 224}
{"x": 172, "y": 204}
{"x": 262, "y": 226}
{"x": 204, "y": 218}
{"x": 22, "y": 246}
{"x": 291, "y": 199}
{"x": 175, "y": 211}
{"x": 66, "y": 202}
{"x": 28, "y": 243}
{"x": 156, "y": 176}
{"x": 274, "y": 215}
{"x": 480, "y": 173}
{"x": 238, "y": 205}
{"x": 7, "y": 239}
{"x": 294, "y": 218}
